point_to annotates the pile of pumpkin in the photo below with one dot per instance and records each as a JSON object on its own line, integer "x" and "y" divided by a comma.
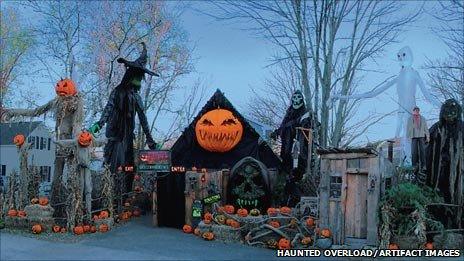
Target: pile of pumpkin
{"x": 43, "y": 201}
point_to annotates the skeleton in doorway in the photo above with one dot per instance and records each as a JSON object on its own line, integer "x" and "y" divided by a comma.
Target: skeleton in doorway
{"x": 249, "y": 185}
{"x": 445, "y": 157}
{"x": 406, "y": 83}
{"x": 119, "y": 115}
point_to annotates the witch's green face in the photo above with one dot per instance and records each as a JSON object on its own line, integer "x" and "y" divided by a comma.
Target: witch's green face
{"x": 136, "y": 81}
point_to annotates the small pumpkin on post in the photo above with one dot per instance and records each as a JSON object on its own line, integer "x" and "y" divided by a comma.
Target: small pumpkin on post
{"x": 207, "y": 218}
{"x": 187, "y": 229}
{"x": 56, "y": 229}
{"x": 43, "y": 201}
{"x": 284, "y": 243}
{"x": 19, "y": 139}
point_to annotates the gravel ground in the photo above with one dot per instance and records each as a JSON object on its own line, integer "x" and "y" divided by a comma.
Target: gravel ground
{"x": 136, "y": 240}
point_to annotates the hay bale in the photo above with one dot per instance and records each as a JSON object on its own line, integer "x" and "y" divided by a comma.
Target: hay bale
{"x": 408, "y": 242}
{"x": 26, "y": 223}
{"x": 449, "y": 241}
{"x": 108, "y": 221}
{"x": 226, "y": 234}
{"x": 37, "y": 211}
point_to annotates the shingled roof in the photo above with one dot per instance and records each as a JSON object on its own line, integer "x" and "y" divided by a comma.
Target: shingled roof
{"x": 9, "y": 130}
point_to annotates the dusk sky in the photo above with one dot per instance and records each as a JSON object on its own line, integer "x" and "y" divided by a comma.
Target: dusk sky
{"x": 234, "y": 60}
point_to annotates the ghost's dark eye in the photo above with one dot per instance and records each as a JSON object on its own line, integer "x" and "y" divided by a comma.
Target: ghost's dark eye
{"x": 228, "y": 122}
{"x": 399, "y": 56}
{"x": 207, "y": 122}
{"x": 404, "y": 54}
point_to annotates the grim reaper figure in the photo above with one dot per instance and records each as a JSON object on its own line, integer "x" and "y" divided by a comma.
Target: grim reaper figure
{"x": 287, "y": 130}
{"x": 119, "y": 115}
{"x": 445, "y": 157}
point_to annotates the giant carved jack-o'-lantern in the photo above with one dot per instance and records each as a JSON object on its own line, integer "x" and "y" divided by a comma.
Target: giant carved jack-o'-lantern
{"x": 65, "y": 87}
{"x": 218, "y": 131}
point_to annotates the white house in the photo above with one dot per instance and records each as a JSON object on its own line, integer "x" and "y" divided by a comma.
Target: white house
{"x": 41, "y": 154}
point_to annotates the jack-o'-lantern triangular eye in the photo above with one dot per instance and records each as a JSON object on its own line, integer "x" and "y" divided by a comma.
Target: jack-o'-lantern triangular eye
{"x": 207, "y": 122}
{"x": 228, "y": 122}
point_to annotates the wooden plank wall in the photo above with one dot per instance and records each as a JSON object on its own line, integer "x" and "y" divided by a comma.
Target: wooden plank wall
{"x": 373, "y": 198}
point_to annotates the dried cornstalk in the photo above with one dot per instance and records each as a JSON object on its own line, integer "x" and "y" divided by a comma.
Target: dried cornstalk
{"x": 12, "y": 187}
{"x": 33, "y": 182}
{"x": 23, "y": 193}
{"x": 74, "y": 205}
{"x": 108, "y": 190}
{"x": 387, "y": 213}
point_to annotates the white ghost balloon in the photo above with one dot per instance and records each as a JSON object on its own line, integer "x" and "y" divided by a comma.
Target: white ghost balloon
{"x": 406, "y": 83}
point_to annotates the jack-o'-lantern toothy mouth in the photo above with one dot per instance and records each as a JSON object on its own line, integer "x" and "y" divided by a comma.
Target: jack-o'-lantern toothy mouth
{"x": 206, "y": 135}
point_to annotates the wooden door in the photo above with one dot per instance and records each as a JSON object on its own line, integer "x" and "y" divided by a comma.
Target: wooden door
{"x": 356, "y": 205}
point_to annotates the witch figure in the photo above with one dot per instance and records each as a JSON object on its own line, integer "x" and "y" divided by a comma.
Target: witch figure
{"x": 119, "y": 115}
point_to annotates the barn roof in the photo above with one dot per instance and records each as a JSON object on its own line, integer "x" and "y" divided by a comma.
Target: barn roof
{"x": 331, "y": 150}
{"x": 9, "y": 130}
{"x": 187, "y": 152}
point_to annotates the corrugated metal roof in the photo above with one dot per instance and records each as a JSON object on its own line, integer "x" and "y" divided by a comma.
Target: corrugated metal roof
{"x": 9, "y": 130}
{"x": 368, "y": 150}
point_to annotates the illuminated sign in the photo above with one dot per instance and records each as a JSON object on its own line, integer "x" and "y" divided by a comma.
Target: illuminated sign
{"x": 154, "y": 160}
{"x": 212, "y": 199}
{"x": 177, "y": 169}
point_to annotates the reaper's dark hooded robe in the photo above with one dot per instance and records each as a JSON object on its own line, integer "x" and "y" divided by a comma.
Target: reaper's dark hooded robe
{"x": 119, "y": 115}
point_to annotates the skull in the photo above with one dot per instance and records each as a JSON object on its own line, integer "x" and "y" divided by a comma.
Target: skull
{"x": 297, "y": 100}
{"x": 249, "y": 184}
{"x": 405, "y": 56}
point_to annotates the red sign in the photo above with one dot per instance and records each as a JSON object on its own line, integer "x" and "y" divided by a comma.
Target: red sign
{"x": 154, "y": 157}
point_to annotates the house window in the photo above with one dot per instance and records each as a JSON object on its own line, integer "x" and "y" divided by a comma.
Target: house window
{"x": 37, "y": 142}
{"x": 335, "y": 186}
{"x": 49, "y": 142}
{"x": 45, "y": 173}
{"x": 2, "y": 175}
{"x": 42, "y": 143}
{"x": 31, "y": 139}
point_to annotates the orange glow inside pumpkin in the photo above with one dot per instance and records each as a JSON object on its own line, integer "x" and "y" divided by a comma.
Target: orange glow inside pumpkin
{"x": 218, "y": 131}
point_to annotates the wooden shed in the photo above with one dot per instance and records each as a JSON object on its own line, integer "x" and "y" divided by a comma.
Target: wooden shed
{"x": 351, "y": 186}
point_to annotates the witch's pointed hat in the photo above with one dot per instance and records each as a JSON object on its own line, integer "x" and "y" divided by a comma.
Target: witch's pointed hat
{"x": 140, "y": 62}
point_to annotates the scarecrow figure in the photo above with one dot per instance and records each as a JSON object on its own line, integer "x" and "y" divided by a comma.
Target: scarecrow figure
{"x": 67, "y": 108}
{"x": 287, "y": 130}
{"x": 445, "y": 157}
{"x": 119, "y": 115}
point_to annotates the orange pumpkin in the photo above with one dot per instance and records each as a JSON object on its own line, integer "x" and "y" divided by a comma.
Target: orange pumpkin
{"x": 137, "y": 177}
{"x": 310, "y": 222}
{"x": 197, "y": 231}
{"x": 234, "y": 224}
{"x": 103, "y": 228}
{"x": 56, "y": 228}
{"x": 125, "y": 215}
{"x": 37, "y": 229}
{"x": 21, "y": 213}
{"x": 103, "y": 214}
{"x": 241, "y": 212}
{"x": 229, "y": 209}
{"x": 208, "y": 236}
{"x": 228, "y": 221}
{"x": 274, "y": 223}
{"x": 325, "y": 233}
{"x": 428, "y": 245}
{"x": 85, "y": 138}
{"x": 65, "y": 87}
{"x": 218, "y": 130}
{"x": 78, "y": 230}
{"x": 187, "y": 229}
{"x": 306, "y": 241}
{"x": 93, "y": 229}
{"x": 138, "y": 189}
{"x": 34, "y": 201}
{"x": 208, "y": 217}
{"x": 272, "y": 212}
{"x": 286, "y": 210}
{"x": 95, "y": 217}
{"x": 19, "y": 139}
{"x": 86, "y": 228}
{"x": 43, "y": 201}
{"x": 393, "y": 246}
{"x": 284, "y": 243}
{"x": 12, "y": 213}
{"x": 63, "y": 230}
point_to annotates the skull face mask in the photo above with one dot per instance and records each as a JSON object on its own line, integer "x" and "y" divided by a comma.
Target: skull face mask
{"x": 297, "y": 100}
{"x": 405, "y": 56}
{"x": 249, "y": 184}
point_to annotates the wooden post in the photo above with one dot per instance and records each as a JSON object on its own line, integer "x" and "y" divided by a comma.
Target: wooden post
{"x": 225, "y": 185}
{"x": 324, "y": 193}
{"x": 154, "y": 200}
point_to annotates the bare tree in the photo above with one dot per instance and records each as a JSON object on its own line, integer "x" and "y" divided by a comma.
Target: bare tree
{"x": 15, "y": 42}
{"x": 338, "y": 37}
{"x": 59, "y": 32}
{"x": 446, "y": 75}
